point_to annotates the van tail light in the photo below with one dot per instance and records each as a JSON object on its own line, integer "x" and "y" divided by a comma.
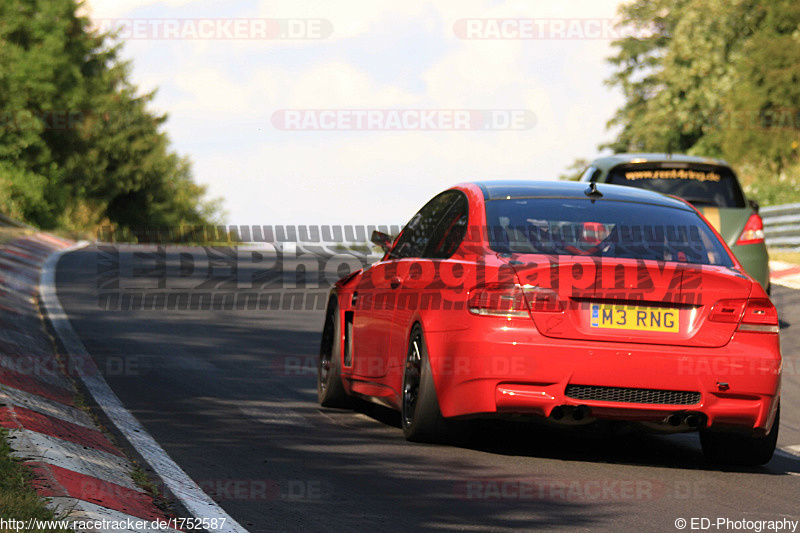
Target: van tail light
{"x": 757, "y": 314}
{"x": 753, "y": 232}
{"x": 512, "y": 300}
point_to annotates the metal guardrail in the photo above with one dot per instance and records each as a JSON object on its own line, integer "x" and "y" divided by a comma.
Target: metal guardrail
{"x": 782, "y": 226}
{"x": 6, "y": 221}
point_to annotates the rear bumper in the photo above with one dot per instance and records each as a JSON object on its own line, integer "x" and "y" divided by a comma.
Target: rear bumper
{"x": 487, "y": 373}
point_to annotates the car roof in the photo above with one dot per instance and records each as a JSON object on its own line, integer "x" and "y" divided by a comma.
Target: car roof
{"x": 510, "y": 189}
{"x": 617, "y": 159}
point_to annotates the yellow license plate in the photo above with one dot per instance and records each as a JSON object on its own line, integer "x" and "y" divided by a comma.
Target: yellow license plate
{"x": 630, "y": 317}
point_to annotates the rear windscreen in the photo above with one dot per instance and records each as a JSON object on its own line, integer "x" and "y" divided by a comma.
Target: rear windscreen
{"x": 603, "y": 228}
{"x": 702, "y": 185}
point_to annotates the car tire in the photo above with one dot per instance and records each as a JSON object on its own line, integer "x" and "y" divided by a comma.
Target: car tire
{"x": 420, "y": 415}
{"x": 330, "y": 389}
{"x": 738, "y": 449}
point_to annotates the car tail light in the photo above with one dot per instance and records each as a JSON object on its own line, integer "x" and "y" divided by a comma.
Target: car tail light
{"x": 498, "y": 300}
{"x": 513, "y": 300}
{"x": 729, "y": 311}
{"x": 760, "y": 315}
{"x": 757, "y": 314}
{"x": 540, "y": 299}
{"x": 753, "y": 231}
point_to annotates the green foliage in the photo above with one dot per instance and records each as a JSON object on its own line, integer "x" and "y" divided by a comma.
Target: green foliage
{"x": 767, "y": 92}
{"x": 638, "y": 62}
{"x": 18, "y": 499}
{"x": 713, "y": 77}
{"x": 78, "y": 145}
{"x": 575, "y": 170}
{"x": 769, "y": 188}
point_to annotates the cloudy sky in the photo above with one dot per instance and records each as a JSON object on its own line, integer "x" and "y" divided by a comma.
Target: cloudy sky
{"x": 225, "y": 96}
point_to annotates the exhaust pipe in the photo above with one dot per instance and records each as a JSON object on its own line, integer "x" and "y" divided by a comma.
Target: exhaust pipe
{"x": 674, "y": 420}
{"x": 581, "y": 412}
{"x": 693, "y": 421}
{"x": 568, "y": 414}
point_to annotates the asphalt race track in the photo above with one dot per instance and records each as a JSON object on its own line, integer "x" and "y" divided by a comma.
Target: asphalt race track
{"x": 231, "y": 396}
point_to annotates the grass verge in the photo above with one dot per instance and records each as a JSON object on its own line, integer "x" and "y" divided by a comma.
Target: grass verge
{"x": 18, "y": 499}
{"x": 9, "y": 234}
{"x": 786, "y": 257}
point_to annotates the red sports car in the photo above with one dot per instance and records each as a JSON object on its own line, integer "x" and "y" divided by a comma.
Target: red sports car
{"x": 563, "y": 301}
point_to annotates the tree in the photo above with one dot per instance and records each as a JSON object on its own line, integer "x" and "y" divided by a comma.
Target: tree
{"x": 650, "y": 24}
{"x": 575, "y": 170}
{"x": 715, "y": 78}
{"x": 78, "y": 145}
{"x": 676, "y": 90}
{"x": 763, "y": 118}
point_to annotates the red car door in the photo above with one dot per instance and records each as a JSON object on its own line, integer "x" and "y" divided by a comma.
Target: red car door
{"x": 372, "y": 318}
{"x": 380, "y": 299}
{"x": 418, "y": 277}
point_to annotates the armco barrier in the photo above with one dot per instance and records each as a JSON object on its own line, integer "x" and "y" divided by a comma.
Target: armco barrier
{"x": 782, "y": 226}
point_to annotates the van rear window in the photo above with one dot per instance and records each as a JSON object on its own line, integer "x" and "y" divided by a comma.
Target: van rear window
{"x": 701, "y": 185}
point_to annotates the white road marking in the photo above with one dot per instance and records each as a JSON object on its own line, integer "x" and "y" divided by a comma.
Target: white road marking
{"x": 180, "y": 485}
{"x": 792, "y": 450}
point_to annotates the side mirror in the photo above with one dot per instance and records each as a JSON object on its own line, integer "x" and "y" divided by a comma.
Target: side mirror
{"x": 754, "y": 205}
{"x": 381, "y": 239}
